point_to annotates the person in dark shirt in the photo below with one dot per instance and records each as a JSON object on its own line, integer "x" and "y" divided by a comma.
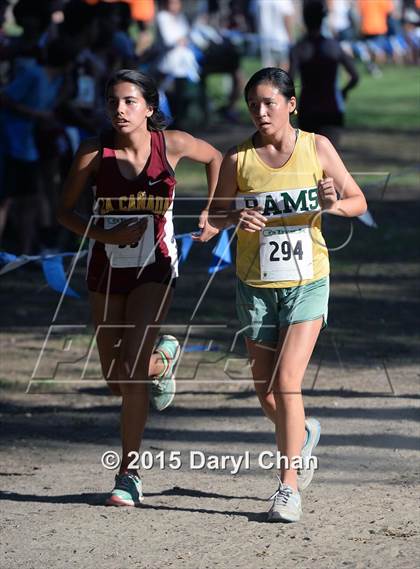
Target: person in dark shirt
{"x": 317, "y": 59}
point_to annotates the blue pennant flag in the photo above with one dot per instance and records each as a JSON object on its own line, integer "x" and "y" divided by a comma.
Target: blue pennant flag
{"x": 55, "y": 275}
{"x": 367, "y": 219}
{"x": 186, "y": 244}
{"x": 6, "y": 258}
{"x": 222, "y": 256}
{"x": 201, "y": 348}
{"x": 9, "y": 262}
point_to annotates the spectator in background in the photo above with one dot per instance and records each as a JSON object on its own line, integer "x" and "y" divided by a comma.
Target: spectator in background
{"x": 115, "y": 18}
{"x": 34, "y": 18}
{"x": 28, "y": 105}
{"x": 375, "y": 16}
{"x": 237, "y": 16}
{"x": 177, "y": 63}
{"x": 411, "y": 25}
{"x": 143, "y": 12}
{"x": 218, "y": 52}
{"x": 80, "y": 27}
{"x": 19, "y": 53}
{"x": 275, "y": 28}
{"x": 112, "y": 46}
{"x": 340, "y": 19}
{"x": 317, "y": 59}
{"x": 122, "y": 42}
{"x": 173, "y": 31}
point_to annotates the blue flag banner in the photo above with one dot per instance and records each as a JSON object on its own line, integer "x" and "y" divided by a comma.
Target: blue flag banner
{"x": 6, "y": 258}
{"x": 201, "y": 348}
{"x": 222, "y": 256}
{"x": 56, "y": 276}
{"x": 368, "y": 220}
{"x": 9, "y": 262}
{"x": 186, "y": 244}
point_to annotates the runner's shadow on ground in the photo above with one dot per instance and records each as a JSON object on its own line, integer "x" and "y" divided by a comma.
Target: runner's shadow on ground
{"x": 89, "y": 498}
{"x": 252, "y": 516}
{"x": 94, "y": 499}
{"x": 178, "y": 491}
{"x": 312, "y": 392}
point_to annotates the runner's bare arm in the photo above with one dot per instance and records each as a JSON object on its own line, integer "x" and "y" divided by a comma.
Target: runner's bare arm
{"x": 337, "y": 179}
{"x": 221, "y": 213}
{"x": 182, "y": 145}
{"x": 84, "y": 166}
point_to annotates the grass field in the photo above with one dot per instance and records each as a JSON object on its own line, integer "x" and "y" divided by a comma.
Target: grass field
{"x": 382, "y": 135}
{"x": 391, "y": 101}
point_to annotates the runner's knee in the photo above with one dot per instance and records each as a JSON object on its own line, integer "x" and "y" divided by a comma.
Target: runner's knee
{"x": 287, "y": 385}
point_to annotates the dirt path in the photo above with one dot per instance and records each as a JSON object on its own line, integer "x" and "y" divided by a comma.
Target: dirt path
{"x": 361, "y": 510}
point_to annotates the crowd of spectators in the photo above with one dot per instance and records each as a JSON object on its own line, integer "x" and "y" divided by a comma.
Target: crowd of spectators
{"x": 55, "y": 57}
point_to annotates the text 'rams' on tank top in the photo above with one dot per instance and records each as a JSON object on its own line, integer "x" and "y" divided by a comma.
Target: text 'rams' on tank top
{"x": 290, "y": 250}
{"x": 151, "y": 193}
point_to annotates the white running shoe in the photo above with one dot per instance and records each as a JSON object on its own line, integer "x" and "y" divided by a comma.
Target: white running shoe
{"x": 287, "y": 505}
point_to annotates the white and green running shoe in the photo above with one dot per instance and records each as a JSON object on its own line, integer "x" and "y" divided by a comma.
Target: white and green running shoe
{"x": 126, "y": 492}
{"x": 313, "y": 432}
{"x": 163, "y": 387}
{"x": 287, "y": 505}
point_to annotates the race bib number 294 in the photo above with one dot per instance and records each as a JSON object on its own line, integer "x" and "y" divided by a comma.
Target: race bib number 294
{"x": 286, "y": 253}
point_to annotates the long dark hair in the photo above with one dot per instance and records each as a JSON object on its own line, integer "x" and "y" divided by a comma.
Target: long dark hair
{"x": 274, "y": 75}
{"x": 147, "y": 88}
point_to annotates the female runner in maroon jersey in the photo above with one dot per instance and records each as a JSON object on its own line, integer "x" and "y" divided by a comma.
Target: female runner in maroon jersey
{"x": 132, "y": 264}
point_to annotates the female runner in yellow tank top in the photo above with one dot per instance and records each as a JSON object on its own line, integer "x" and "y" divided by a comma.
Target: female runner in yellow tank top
{"x": 275, "y": 187}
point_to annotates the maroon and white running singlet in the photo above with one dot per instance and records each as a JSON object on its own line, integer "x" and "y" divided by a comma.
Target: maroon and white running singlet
{"x": 121, "y": 268}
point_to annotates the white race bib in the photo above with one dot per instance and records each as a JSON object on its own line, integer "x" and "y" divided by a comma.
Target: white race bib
{"x": 286, "y": 253}
{"x": 139, "y": 254}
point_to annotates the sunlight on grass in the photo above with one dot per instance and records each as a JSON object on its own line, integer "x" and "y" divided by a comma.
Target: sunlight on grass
{"x": 191, "y": 179}
{"x": 387, "y": 102}
{"x": 390, "y": 101}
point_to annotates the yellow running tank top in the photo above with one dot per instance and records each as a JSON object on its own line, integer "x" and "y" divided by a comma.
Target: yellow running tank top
{"x": 290, "y": 250}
